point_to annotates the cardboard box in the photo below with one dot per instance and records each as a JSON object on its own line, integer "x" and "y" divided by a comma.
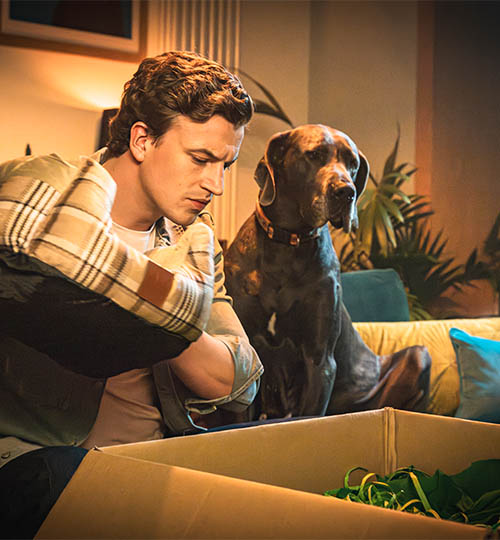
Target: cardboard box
{"x": 267, "y": 481}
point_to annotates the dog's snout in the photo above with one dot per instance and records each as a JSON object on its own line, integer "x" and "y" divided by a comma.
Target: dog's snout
{"x": 344, "y": 194}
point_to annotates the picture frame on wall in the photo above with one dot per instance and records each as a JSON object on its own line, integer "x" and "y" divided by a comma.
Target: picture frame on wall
{"x": 114, "y": 29}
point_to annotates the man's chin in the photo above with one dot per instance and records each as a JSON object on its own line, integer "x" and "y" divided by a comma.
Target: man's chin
{"x": 185, "y": 220}
{"x": 190, "y": 220}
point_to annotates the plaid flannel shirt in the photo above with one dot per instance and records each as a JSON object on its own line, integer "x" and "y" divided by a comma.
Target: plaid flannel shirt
{"x": 68, "y": 228}
{"x": 59, "y": 213}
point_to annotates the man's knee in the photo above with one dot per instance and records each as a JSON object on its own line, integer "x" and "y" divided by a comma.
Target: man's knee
{"x": 31, "y": 484}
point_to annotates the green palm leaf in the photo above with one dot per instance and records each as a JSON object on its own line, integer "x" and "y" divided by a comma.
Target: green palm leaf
{"x": 392, "y": 208}
{"x": 391, "y": 160}
{"x": 273, "y": 108}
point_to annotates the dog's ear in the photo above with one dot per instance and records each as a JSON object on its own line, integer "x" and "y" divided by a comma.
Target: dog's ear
{"x": 362, "y": 175}
{"x": 359, "y": 183}
{"x": 265, "y": 180}
{"x": 266, "y": 169}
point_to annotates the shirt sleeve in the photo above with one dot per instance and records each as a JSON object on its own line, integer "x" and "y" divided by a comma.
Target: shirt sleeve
{"x": 225, "y": 326}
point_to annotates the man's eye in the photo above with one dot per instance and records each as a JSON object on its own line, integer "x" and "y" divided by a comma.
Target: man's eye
{"x": 198, "y": 160}
{"x": 227, "y": 166}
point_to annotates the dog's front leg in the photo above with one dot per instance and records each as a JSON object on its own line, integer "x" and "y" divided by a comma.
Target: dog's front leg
{"x": 316, "y": 333}
{"x": 358, "y": 369}
{"x": 318, "y": 383}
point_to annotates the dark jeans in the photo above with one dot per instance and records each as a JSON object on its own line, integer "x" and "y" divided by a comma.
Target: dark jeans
{"x": 31, "y": 484}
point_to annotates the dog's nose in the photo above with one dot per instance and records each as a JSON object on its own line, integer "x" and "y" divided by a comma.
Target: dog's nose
{"x": 344, "y": 193}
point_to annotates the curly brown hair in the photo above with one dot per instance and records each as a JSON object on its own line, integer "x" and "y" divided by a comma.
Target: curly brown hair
{"x": 175, "y": 83}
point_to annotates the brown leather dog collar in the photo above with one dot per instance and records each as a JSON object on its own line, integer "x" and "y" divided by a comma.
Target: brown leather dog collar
{"x": 281, "y": 235}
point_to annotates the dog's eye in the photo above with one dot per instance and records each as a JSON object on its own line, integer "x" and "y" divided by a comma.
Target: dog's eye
{"x": 353, "y": 166}
{"x": 351, "y": 163}
{"x": 315, "y": 155}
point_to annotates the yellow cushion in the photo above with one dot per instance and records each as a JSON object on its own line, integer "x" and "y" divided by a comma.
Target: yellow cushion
{"x": 386, "y": 338}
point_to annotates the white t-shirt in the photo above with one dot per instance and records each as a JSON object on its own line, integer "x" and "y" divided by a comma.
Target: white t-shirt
{"x": 129, "y": 407}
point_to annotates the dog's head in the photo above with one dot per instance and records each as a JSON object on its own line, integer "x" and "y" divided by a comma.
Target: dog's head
{"x": 317, "y": 169}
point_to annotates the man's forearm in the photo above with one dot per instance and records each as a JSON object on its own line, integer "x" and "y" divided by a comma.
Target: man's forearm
{"x": 206, "y": 367}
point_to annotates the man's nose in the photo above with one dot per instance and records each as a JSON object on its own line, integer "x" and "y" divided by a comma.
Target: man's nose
{"x": 213, "y": 179}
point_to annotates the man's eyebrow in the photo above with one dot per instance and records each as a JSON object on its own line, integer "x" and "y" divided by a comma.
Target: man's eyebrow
{"x": 209, "y": 154}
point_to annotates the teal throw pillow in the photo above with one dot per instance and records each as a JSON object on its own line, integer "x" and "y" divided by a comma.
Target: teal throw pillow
{"x": 478, "y": 362}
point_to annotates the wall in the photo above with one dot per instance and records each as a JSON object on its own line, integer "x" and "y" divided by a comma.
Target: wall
{"x": 466, "y": 185}
{"x": 274, "y": 49}
{"x": 363, "y": 74}
{"x": 54, "y": 100}
{"x": 462, "y": 84}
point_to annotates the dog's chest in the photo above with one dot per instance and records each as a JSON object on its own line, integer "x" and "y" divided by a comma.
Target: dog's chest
{"x": 291, "y": 279}
{"x": 281, "y": 277}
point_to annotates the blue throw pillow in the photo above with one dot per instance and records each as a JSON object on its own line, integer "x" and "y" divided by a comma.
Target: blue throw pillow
{"x": 478, "y": 362}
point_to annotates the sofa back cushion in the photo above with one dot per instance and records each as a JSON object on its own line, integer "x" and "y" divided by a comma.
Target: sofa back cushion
{"x": 376, "y": 295}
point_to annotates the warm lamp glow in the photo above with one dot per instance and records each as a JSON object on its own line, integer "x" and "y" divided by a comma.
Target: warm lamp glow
{"x": 82, "y": 82}
{"x": 98, "y": 98}
{"x": 87, "y": 93}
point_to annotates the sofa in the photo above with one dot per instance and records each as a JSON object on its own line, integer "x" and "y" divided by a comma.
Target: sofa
{"x": 465, "y": 374}
{"x": 453, "y": 366}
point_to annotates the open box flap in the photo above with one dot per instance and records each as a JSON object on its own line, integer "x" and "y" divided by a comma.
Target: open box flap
{"x": 309, "y": 455}
{"x": 119, "y": 497}
{"x": 314, "y": 454}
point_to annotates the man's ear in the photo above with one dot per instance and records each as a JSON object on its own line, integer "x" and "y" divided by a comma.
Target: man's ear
{"x": 139, "y": 138}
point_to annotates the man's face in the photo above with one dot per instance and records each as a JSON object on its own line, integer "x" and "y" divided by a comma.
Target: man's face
{"x": 184, "y": 169}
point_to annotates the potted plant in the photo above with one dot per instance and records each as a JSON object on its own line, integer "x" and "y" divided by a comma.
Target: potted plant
{"x": 394, "y": 233}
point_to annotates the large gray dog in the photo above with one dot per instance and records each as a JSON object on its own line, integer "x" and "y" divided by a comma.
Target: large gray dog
{"x": 284, "y": 277}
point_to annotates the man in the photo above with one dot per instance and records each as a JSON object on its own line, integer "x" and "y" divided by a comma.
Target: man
{"x": 179, "y": 127}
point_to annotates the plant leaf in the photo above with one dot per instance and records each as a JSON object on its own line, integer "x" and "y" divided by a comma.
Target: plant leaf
{"x": 391, "y": 160}
{"x": 277, "y": 107}
{"x": 393, "y": 209}
{"x": 264, "y": 108}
